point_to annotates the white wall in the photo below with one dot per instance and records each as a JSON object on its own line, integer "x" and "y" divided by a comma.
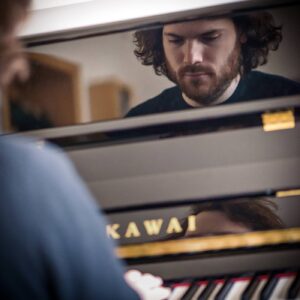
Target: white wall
{"x": 108, "y": 57}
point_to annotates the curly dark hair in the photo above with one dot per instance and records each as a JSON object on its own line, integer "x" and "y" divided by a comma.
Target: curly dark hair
{"x": 255, "y": 214}
{"x": 259, "y": 29}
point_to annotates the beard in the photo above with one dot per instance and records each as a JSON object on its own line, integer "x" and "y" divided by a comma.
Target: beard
{"x": 206, "y": 89}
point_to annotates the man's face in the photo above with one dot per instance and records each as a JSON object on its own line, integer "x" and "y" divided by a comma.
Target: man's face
{"x": 202, "y": 57}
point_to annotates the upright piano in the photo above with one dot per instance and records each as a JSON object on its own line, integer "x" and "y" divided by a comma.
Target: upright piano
{"x": 208, "y": 199}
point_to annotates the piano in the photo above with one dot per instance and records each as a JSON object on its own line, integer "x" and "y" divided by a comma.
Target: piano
{"x": 208, "y": 199}
{"x": 160, "y": 183}
{"x": 168, "y": 184}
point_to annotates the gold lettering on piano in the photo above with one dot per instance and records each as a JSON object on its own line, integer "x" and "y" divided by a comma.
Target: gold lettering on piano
{"x": 174, "y": 226}
{"x": 153, "y": 227}
{"x": 111, "y": 231}
{"x": 132, "y": 230}
{"x": 191, "y": 223}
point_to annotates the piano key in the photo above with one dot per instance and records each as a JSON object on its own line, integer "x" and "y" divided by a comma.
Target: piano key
{"x": 294, "y": 290}
{"x": 261, "y": 284}
{"x": 238, "y": 288}
{"x": 269, "y": 287}
{"x": 199, "y": 291}
{"x": 281, "y": 289}
{"x": 207, "y": 291}
{"x": 178, "y": 292}
{"x": 191, "y": 291}
{"x": 223, "y": 292}
{"x": 218, "y": 287}
{"x": 277, "y": 286}
{"x": 250, "y": 290}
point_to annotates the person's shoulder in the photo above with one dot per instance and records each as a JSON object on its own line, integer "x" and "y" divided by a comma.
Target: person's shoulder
{"x": 270, "y": 77}
{"x": 19, "y": 154}
{"x": 26, "y": 149}
{"x": 44, "y": 176}
{"x": 26, "y": 144}
{"x": 32, "y": 174}
{"x": 276, "y": 83}
{"x": 156, "y": 104}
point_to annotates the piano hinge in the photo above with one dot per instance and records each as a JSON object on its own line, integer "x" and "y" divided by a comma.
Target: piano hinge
{"x": 288, "y": 193}
{"x": 278, "y": 120}
{"x": 211, "y": 243}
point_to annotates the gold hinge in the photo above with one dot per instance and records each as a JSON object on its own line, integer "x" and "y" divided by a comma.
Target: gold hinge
{"x": 278, "y": 120}
{"x": 288, "y": 193}
{"x": 212, "y": 243}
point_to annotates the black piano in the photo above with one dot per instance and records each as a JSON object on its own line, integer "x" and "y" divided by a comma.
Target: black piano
{"x": 208, "y": 199}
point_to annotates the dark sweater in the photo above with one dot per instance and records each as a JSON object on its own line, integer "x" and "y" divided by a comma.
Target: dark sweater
{"x": 253, "y": 86}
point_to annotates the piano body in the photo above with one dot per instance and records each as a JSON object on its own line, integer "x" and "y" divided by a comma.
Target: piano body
{"x": 162, "y": 178}
{"x": 154, "y": 186}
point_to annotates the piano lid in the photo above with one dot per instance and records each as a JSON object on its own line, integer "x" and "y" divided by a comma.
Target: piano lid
{"x": 90, "y": 17}
{"x": 187, "y": 163}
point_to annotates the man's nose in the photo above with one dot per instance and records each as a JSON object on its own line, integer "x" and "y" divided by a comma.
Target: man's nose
{"x": 193, "y": 52}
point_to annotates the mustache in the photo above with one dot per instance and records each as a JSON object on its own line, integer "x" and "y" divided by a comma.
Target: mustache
{"x": 195, "y": 69}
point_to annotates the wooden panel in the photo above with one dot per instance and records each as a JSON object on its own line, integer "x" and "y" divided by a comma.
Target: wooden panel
{"x": 52, "y": 92}
{"x": 109, "y": 100}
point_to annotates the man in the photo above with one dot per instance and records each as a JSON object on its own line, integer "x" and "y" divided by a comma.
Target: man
{"x": 53, "y": 239}
{"x": 211, "y": 61}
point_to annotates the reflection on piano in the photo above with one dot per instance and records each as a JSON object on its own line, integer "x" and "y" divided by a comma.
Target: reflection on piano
{"x": 260, "y": 262}
{"x": 160, "y": 178}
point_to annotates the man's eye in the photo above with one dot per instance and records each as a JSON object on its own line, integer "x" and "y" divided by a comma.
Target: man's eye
{"x": 211, "y": 38}
{"x": 175, "y": 41}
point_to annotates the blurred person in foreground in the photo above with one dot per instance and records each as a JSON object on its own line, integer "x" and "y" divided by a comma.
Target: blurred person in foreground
{"x": 53, "y": 239}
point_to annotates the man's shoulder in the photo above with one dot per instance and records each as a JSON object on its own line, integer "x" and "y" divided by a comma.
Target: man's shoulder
{"x": 18, "y": 152}
{"x": 255, "y": 75}
{"x": 34, "y": 165}
{"x": 39, "y": 176}
{"x": 257, "y": 85}
{"x": 160, "y": 103}
{"x": 272, "y": 85}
